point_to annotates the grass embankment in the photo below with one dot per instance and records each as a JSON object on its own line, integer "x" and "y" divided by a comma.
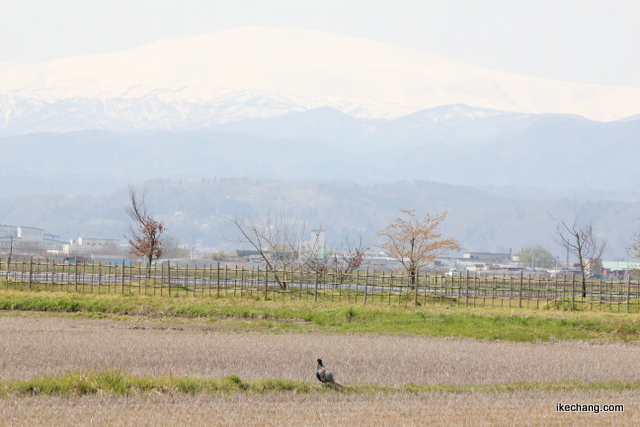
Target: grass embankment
{"x": 120, "y": 383}
{"x": 334, "y": 317}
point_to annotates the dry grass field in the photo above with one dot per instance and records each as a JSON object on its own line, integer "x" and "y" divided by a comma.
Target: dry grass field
{"x": 32, "y": 346}
{"x": 35, "y": 346}
{"x": 400, "y": 409}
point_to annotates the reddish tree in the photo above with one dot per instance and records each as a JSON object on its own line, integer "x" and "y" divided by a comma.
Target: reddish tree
{"x": 145, "y": 237}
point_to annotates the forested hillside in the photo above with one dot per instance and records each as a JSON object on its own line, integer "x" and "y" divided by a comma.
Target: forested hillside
{"x": 483, "y": 219}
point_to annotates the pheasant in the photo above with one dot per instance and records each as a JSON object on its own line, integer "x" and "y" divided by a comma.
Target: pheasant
{"x": 325, "y": 376}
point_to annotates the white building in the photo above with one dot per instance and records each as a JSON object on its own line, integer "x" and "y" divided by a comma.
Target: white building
{"x": 31, "y": 234}
{"x": 7, "y": 231}
{"x": 30, "y": 238}
{"x": 89, "y": 245}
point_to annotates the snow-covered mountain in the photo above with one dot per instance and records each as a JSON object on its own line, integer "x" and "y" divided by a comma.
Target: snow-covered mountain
{"x": 199, "y": 81}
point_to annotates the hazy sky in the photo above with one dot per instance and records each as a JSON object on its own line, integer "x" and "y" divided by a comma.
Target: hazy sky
{"x": 586, "y": 41}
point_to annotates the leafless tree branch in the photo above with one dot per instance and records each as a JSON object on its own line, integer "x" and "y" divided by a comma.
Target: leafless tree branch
{"x": 278, "y": 239}
{"x": 581, "y": 241}
{"x": 341, "y": 260}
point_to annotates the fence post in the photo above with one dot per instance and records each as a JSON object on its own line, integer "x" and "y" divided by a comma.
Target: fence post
{"x": 628, "y": 290}
{"x": 315, "y": 292}
{"x": 218, "y": 281}
{"x": 257, "y": 281}
{"x": 122, "y": 280}
{"x": 30, "y": 271}
{"x": 226, "y": 281}
{"x": 186, "y": 279}
{"x": 466, "y": 292}
{"x": 266, "y": 282}
{"x": 573, "y": 291}
{"x": 366, "y": 285}
{"x": 415, "y": 296}
{"x": 520, "y": 293}
{"x": 75, "y": 274}
{"x": 476, "y": 280}
{"x": 210, "y": 277}
{"x": 169, "y": 275}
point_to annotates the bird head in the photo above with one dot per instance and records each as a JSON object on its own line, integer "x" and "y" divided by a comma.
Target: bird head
{"x": 319, "y": 361}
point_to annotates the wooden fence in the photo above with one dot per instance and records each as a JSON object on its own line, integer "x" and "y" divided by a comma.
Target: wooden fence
{"x": 360, "y": 287}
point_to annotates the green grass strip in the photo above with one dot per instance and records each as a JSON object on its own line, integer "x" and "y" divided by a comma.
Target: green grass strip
{"x": 336, "y": 317}
{"x": 119, "y": 383}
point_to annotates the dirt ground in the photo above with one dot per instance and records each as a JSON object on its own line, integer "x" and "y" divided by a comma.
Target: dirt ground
{"x": 403, "y": 409}
{"x": 34, "y": 346}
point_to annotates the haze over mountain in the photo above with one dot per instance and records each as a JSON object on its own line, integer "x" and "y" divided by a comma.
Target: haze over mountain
{"x": 324, "y": 125}
{"x": 199, "y": 81}
{"x": 454, "y": 144}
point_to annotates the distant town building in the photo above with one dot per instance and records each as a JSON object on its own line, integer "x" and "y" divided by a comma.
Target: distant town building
{"x": 257, "y": 257}
{"x": 6, "y": 230}
{"x": 29, "y": 239}
{"x": 379, "y": 262}
{"x": 593, "y": 267}
{"x": 487, "y": 257}
{"x": 619, "y": 269}
{"x": 90, "y": 246}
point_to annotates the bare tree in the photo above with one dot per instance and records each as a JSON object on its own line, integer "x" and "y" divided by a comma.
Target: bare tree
{"x": 415, "y": 243}
{"x": 8, "y": 245}
{"x": 173, "y": 249}
{"x": 279, "y": 240}
{"x": 342, "y": 260}
{"x": 634, "y": 250}
{"x": 581, "y": 241}
{"x": 536, "y": 256}
{"x": 145, "y": 236}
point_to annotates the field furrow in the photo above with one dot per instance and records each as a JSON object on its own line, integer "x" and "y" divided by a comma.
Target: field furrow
{"x": 34, "y": 346}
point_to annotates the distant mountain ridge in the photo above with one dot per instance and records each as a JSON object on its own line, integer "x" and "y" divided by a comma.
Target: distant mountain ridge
{"x": 456, "y": 145}
{"x": 200, "y": 81}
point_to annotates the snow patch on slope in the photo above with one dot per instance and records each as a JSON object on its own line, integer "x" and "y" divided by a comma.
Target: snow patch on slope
{"x": 232, "y": 75}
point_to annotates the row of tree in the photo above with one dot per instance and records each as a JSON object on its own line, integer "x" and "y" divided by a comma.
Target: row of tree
{"x": 413, "y": 241}
{"x": 282, "y": 242}
{"x": 279, "y": 241}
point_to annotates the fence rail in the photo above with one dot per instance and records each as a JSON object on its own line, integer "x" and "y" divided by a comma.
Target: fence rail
{"x": 365, "y": 287}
